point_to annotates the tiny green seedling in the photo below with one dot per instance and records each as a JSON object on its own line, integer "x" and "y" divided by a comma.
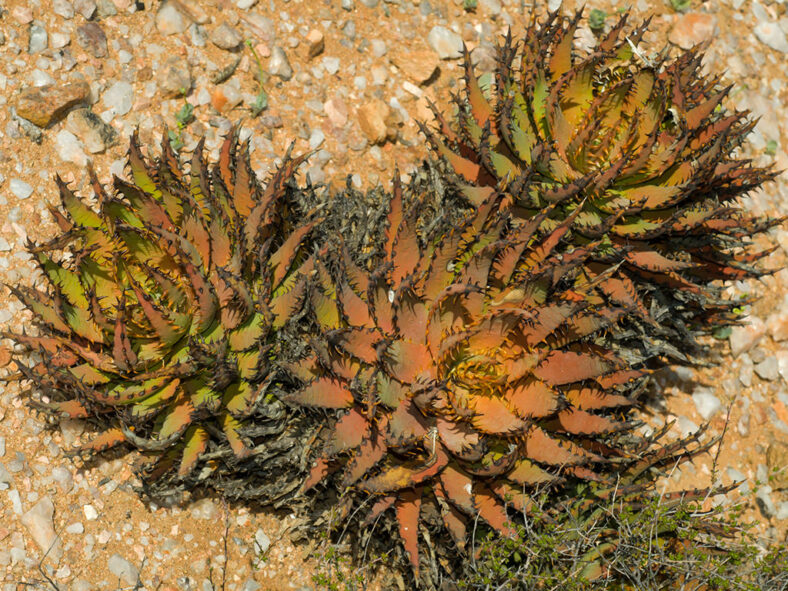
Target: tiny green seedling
{"x": 596, "y": 19}
{"x": 183, "y": 117}
{"x": 261, "y": 100}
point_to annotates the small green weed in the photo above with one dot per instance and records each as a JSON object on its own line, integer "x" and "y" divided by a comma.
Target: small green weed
{"x": 261, "y": 100}
{"x": 183, "y": 117}
{"x": 596, "y": 19}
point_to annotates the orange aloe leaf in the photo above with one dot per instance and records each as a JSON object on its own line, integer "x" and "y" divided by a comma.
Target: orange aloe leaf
{"x": 248, "y": 334}
{"x": 611, "y": 39}
{"x": 406, "y": 360}
{"x": 580, "y": 422}
{"x": 513, "y": 495}
{"x": 221, "y": 244}
{"x": 533, "y": 399}
{"x": 561, "y": 59}
{"x": 491, "y": 510}
{"x": 458, "y": 437}
{"x": 318, "y": 472}
{"x": 621, "y": 291}
{"x": 408, "y": 507}
{"x": 481, "y": 109}
{"x": 325, "y": 393}
{"x": 406, "y": 425}
{"x": 655, "y": 262}
{"x": 455, "y": 522}
{"x": 381, "y": 505}
{"x": 695, "y": 116}
{"x": 104, "y": 441}
{"x": 359, "y": 343}
{"x": 542, "y": 448}
{"x": 368, "y": 454}
{"x": 349, "y": 431}
{"x": 394, "y": 218}
{"x": 178, "y": 417}
{"x": 282, "y": 260}
{"x": 354, "y": 307}
{"x": 526, "y": 472}
{"x": 243, "y": 198}
{"x": 565, "y": 367}
{"x": 381, "y": 296}
{"x": 411, "y": 316}
{"x": 198, "y": 236}
{"x": 406, "y": 254}
{"x": 463, "y": 167}
{"x": 226, "y": 158}
{"x": 619, "y": 378}
{"x": 493, "y": 415}
{"x": 159, "y": 320}
{"x": 122, "y": 352}
{"x": 548, "y": 318}
{"x": 72, "y": 409}
{"x": 593, "y": 398}
{"x": 195, "y": 444}
{"x": 458, "y": 488}
{"x": 231, "y": 428}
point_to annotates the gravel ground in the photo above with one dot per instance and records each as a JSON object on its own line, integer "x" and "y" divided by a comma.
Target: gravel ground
{"x": 347, "y": 80}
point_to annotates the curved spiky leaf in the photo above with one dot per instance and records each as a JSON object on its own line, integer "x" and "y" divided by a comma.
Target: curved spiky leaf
{"x": 640, "y": 156}
{"x": 455, "y": 367}
{"x": 159, "y": 314}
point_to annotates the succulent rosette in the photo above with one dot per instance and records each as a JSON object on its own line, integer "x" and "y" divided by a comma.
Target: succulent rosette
{"x": 463, "y": 372}
{"x": 162, "y": 304}
{"x": 639, "y": 151}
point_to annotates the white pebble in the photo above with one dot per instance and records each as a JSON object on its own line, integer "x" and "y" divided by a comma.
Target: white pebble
{"x": 20, "y": 189}
{"x": 331, "y": 64}
{"x": 90, "y": 512}
{"x": 706, "y": 403}
{"x": 69, "y": 148}
{"x": 316, "y": 139}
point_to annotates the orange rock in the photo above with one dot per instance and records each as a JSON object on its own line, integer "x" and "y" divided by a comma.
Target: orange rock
{"x": 263, "y": 50}
{"x": 315, "y": 43}
{"x": 781, "y": 411}
{"x": 778, "y": 327}
{"x": 372, "y": 119}
{"x": 218, "y": 100}
{"x": 5, "y": 356}
{"x": 419, "y": 66}
{"x": 692, "y": 28}
{"x": 45, "y": 105}
{"x": 336, "y": 111}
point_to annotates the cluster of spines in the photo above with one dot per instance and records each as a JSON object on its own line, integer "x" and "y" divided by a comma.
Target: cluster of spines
{"x": 643, "y": 151}
{"x": 161, "y": 314}
{"x": 461, "y": 370}
{"x": 465, "y": 372}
